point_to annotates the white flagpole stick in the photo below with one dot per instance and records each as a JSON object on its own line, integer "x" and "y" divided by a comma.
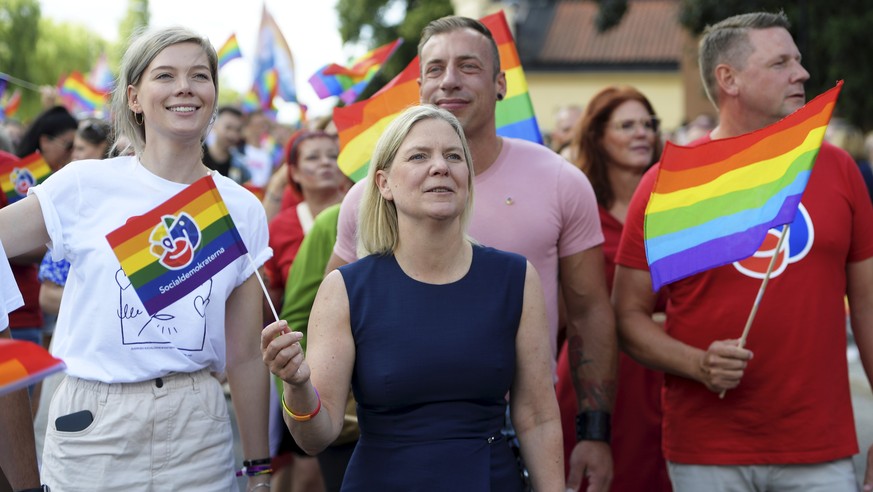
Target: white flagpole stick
{"x": 760, "y": 293}
{"x": 263, "y": 287}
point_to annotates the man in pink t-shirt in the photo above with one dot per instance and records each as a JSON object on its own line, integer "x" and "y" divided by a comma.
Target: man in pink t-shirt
{"x": 786, "y": 421}
{"x": 530, "y": 201}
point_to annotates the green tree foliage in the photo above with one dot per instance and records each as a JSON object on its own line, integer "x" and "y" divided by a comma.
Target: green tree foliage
{"x": 40, "y": 51}
{"x": 19, "y": 31}
{"x": 376, "y": 22}
{"x": 136, "y": 18}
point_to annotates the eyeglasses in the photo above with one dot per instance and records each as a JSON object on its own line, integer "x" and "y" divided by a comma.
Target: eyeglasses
{"x": 68, "y": 146}
{"x": 630, "y": 126}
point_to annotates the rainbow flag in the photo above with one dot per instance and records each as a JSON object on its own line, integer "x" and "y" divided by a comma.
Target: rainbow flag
{"x": 24, "y": 363}
{"x": 74, "y": 88}
{"x": 349, "y": 83}
{"x": 11, "y": 105}
{"x": 274, "y": 55}
{"x": 713, "y": 204}
{"x": 177, "y": 246}
{"x": 360, "y": 124}
{"x": 229, "y": 51}
{"x": 18, "y": 176}
{"x": 101, "y": 77}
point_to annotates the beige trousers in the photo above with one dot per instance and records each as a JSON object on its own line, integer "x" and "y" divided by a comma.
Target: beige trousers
{"x": 171, "y": 433}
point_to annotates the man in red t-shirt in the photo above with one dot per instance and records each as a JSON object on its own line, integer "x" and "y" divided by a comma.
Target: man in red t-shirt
{"x": 786, "y": 421}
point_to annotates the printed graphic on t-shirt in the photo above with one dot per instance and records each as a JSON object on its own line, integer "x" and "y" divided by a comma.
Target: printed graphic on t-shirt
{"x": 181, "y": 325}
{"x": 795, "y": 247}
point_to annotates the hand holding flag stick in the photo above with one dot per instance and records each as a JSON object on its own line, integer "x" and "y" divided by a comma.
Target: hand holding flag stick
{"x": 713, "y": 204}
{"x": 757, "y": 303}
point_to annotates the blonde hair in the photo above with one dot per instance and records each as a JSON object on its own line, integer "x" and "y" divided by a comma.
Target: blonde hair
{"x": 143, "y": 48}
{"x": 378, "y": 224}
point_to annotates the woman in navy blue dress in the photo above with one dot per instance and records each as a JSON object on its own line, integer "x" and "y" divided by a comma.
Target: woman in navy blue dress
{"x": 431, "y": 331}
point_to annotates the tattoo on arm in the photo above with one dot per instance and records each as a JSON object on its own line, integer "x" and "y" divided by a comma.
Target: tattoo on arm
{"x": 590, "y": 394}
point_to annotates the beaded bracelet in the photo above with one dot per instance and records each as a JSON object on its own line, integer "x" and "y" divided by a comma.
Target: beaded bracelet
{"x": 254, "y": 471}
{"x": 302, "y": 418}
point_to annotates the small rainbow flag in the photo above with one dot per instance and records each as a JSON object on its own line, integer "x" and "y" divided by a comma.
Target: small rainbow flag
{"x": 349, "y": 83}
{"x": 177, "y": 246}
{"x": 18, "y": 176}
{"x": 360, "y": 124}
{"x": 75, "y": 88}
{"x": 24, "y": 363}
{"x": 11, "y": 105}
{"x": 713, "y": 204}
{"x": 229, "y": 51}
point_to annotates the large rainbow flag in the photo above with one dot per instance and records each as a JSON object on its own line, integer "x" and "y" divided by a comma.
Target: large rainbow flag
{"x": 349, "y": 82}
{"x": 228, "y": 51}
{"x": 18, "y": 176}
{"x": 178, "y": 245}
{"x": 24, "y": 363}
{"x": 359, "y": 125}
{"x": 74, "y": 87}
{"x": 713, "y": 204}
{"x": 101, "y": 77}
{"x": 274, "y": 55}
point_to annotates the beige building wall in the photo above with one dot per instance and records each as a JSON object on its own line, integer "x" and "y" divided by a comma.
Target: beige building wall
{"x": 549, "y": 91}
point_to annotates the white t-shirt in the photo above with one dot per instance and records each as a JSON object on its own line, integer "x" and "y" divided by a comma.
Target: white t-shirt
{"x": 531, "y": 201}
{"x": 10, "y": 296}
{"x": 103, "y": 332}
{"x": 260, "y": 165}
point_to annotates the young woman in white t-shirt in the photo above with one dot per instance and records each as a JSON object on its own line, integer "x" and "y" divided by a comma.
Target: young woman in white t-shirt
{"x": 139, "y": 408}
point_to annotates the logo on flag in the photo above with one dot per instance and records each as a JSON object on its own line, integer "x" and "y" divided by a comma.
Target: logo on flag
{"x": 170, "y": 251}
{"x": 175, "y": 240}
{"x": 22, "y": 180}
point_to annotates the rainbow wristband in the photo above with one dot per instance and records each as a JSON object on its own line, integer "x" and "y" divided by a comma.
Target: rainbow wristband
{"x": 254, "y": 471}
{"x": 302, "y": 418}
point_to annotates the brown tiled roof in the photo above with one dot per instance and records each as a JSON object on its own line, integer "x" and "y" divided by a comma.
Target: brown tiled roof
{"x": 649, "y": 33}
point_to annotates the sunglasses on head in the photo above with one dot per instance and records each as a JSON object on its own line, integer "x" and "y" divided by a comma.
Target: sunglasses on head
{"x": 95, "y": 131}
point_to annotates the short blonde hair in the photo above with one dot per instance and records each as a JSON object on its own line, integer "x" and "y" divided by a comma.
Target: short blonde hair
{"x": 143, "y": 48}
{"x": 378, "y": 230}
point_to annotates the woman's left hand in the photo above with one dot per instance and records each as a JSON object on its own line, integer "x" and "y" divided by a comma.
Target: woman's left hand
{"x": 282, "y": 353}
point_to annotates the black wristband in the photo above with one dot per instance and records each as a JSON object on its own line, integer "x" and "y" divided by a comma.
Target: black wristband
{"x": 259, "y": 462}
{"x": 593, "y": 426}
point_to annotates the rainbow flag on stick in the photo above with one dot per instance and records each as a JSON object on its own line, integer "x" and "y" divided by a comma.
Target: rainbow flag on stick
{"x": 359, "y": 125}
{"x": 229, "y": 51}
{"x": 348, "y": 83}
{"x": 76, "y": 88}
{"x": 713, "y": 204}
{"x": 178, "y": 245}
{"x": 24, "y": 363}
{"x": 18, "y": 176}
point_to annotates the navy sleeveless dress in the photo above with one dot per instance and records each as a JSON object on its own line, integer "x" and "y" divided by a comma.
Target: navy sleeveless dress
{"x": 432, "y": 370}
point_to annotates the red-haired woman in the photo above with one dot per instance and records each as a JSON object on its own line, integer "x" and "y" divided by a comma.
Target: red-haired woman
{"x": 614, "y": 143}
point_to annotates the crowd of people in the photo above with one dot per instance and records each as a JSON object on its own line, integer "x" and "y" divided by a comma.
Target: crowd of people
{"x": 475, "y": 314}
